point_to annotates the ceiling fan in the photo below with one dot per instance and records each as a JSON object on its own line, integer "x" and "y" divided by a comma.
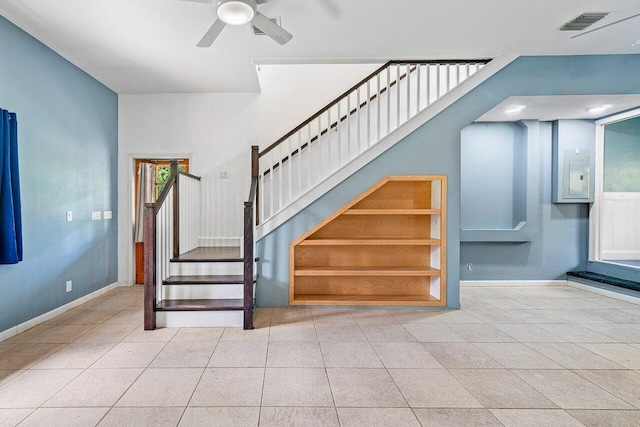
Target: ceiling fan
{"x": 240, "y": 12}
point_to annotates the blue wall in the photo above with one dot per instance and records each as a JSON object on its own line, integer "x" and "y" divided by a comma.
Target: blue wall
{"x": 558, "y": 244}
{"x": 493, "y": 167}
{"x": 434, "y": 148}
{"x": 68, "y": 139}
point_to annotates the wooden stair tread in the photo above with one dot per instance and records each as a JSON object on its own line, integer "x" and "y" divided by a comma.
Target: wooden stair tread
{"x": 369, "y": 241}
{"x": 200, "y": 305}
{"x": 392, "y": 212}
{"x": 211, "y": 254}
{"x": 366, "y": 271}
{"x": 218, "y": 279}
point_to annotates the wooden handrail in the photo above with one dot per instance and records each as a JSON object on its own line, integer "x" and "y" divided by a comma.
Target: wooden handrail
{"x": 360, "y": 83}
{"x": 163, "y": 195}
{"x": 341, "y": 119}
{"x": 150, "y": 227}
{"x": 190, "y": 175}
{"x": 323, "y": 109}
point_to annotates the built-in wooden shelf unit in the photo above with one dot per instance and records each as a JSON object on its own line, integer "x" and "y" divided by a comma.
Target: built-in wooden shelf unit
{"x": 387, "y": 247}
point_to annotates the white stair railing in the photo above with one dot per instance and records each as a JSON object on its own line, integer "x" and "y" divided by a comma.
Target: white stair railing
{"x": 350, "y": 125}
{"x": 164, "y": 241}
{"x": 190, "y": 195}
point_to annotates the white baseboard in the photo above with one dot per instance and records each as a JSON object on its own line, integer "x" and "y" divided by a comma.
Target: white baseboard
{"x": 604, "y": 292}
{"x": 510, "y": 283}
{"x": 15, "y": 330}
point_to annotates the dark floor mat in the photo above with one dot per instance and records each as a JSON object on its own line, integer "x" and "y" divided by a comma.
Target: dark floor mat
{"x": 601, "y": 278}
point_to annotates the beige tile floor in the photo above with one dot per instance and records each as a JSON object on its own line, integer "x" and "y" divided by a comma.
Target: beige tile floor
{"x": 554, "y": 356}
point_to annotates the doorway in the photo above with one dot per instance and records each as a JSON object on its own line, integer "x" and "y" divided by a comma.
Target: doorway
{"x": 615, "y": 219}
{"x": 159, "y": 176}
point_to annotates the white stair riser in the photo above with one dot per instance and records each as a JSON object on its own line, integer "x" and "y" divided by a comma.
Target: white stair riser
{"x": 203, "y": 291}
{"x": 205, "y": 268}
{"x": 200, "y": 319}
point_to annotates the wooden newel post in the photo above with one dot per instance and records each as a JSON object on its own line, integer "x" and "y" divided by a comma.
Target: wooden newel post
{"x": 248, "y": 265}
{"x": 149, "y": 232}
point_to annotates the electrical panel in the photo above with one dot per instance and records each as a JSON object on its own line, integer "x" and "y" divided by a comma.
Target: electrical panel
{"x": 573, "y": 161}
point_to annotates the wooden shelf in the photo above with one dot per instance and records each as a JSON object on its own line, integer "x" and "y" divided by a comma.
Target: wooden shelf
{"x": 366, "y": 242}
{"x": 384, "y": 248}
{"x": 392, "y": 212}
{"x": 366, "y": 271}
{"x": 356, "y": 299}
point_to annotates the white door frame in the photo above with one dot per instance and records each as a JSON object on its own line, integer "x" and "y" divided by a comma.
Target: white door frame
{"x": 595, "y": 214}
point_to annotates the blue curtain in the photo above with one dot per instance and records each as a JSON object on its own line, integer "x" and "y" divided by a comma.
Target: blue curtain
{"x": 10, "y": 209}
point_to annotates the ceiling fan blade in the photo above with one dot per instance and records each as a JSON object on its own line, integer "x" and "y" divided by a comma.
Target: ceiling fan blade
{"x": 274, "y": 31}
{"x": 211, "y": 33}
{"x": 200, "y": 1}
{"x": 261, "y": 1}
{"x": 584, "y": 33}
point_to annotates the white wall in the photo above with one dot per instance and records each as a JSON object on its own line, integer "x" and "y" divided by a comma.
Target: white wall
{"x": 216, "y": 131}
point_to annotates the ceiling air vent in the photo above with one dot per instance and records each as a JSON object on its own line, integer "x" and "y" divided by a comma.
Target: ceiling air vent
{"x": 583, "y": 21}
{"x": 258, "y": 31}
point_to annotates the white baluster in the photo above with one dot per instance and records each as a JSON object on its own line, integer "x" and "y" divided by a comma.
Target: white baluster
{"x": 272, "y": 174}
{"x": 289, "y": 158}
{"x": 418, "y": 70}
{"x": 319, "y": 150}
{"x": 437, "y": 82}
{"x": 388, "y": 99}
{"x": 329, "y": 140}
{"x": 398, "y": 96}
{"x": 348, "y": 128}
{"x": 299, "y": 161}
{"x": 339, "y": 136}
{"x": 358, "y": 139}
{"x": 408, "y": 78}
{"x": 310, "y": 162}
{"x": 280, "y": 183}
{"x": 261, "y": 191}
{"x": 378, "y": 107}
{"x": 368, "y": 113}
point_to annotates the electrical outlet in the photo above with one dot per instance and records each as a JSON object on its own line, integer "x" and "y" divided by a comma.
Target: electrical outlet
{"x": 69, "y": 285}
{"x": 106, "y": 215}
{"x": 469, "y": 267}
{"x": 96, "y": 215}
{"x": 69, "y": 216}
{"x": 224, "y": 175}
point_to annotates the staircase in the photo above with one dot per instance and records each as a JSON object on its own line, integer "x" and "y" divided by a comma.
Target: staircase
{"x": 186, "y": 284}
{"x": 189, "y": 285}
{"x": 332, "y": 143}
{"x": 206, "y": 287}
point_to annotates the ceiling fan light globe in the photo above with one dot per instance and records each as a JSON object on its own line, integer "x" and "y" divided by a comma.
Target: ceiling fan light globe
{"x": 235, "y": 12}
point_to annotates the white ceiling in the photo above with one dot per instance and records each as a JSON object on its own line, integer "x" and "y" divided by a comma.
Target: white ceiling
{"x": 546, "y": 108}
{"x": 148, "y": 46}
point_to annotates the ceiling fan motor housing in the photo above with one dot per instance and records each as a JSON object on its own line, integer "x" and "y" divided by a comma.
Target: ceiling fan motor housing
{"x": 236, "y": 12}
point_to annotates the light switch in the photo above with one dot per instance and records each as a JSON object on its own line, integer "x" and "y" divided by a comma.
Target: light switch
{"x": 69, "y": 216}
{"x": 106, "y": 214}
{"x": 96, "y": 215}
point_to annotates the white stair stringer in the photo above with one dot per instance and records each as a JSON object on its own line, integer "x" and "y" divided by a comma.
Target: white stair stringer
{"x": 380, "y": 147}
